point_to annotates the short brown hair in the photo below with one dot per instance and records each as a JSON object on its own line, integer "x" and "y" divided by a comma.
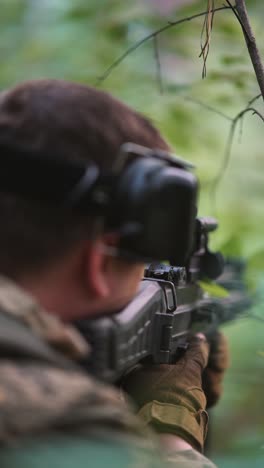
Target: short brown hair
{"x": 78, "y": 122}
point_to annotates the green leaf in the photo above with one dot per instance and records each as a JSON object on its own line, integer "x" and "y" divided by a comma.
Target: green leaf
{"x": 213, "y": 289}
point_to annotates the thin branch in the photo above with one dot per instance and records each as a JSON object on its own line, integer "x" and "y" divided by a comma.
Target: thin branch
{"x": 238, "y": 119}
{"x": 256, "y": 112}
{"x": 250, "y": 103}
{"x": 254, "y": 99}
{"x": 158, "y": 64}
{"x": 209, "y": 108}
{"x": 207, "y": 31}
{"x": 251, "y": 43}
{"x": 229, "y": 145}
{"x": 150, "y": 36}
{"x": 237, "y": 17}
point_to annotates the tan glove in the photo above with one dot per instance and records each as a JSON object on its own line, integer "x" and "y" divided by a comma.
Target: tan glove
{"x": 170, "y": 397}
{"x": 218, "y": 362}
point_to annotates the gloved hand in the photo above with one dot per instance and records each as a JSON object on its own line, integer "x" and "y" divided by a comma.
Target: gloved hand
{"x": 218, "y": 362}
{"x": 170, "y": 397}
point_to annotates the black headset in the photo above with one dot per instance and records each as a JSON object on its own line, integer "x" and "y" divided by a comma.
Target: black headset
{"x": 149, "y": 197}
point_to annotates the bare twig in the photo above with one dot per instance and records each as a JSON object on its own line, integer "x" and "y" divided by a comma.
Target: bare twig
{"x": 158, "y": 65}
{"x": 256, "y": 112}
{"x": 251, "y": 43}
{"x": 150, "y": 36}
{"x": 229, "y": 145}
{"x": 208, "y": 107}
{"x": 237, "y": 16}
{"x": 238, "y": 119}
{"x": 254, "y": 99}
{"x": 207, "y": 32}
{"x": 250, "y": 103}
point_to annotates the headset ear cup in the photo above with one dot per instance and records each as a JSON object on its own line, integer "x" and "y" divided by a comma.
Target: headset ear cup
{"x": 160, "y": 201}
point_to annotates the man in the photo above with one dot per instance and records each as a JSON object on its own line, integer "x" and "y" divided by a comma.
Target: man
{"x": 56, "y": 268}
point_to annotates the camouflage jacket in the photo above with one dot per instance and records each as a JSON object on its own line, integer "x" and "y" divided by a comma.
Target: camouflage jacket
{"x": 52, "y": 413}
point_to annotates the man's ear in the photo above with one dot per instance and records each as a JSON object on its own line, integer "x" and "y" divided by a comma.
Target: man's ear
{"x": 95, "y": 272}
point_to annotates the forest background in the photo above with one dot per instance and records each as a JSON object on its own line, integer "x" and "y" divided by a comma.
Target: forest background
{"x": 78, "y": 40}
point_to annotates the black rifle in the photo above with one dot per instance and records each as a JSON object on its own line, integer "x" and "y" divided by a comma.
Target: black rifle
{"x": 170, "y": 305}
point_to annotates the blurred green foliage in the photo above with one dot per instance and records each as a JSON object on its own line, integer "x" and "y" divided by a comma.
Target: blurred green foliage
{"x": 79, "y": 39}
